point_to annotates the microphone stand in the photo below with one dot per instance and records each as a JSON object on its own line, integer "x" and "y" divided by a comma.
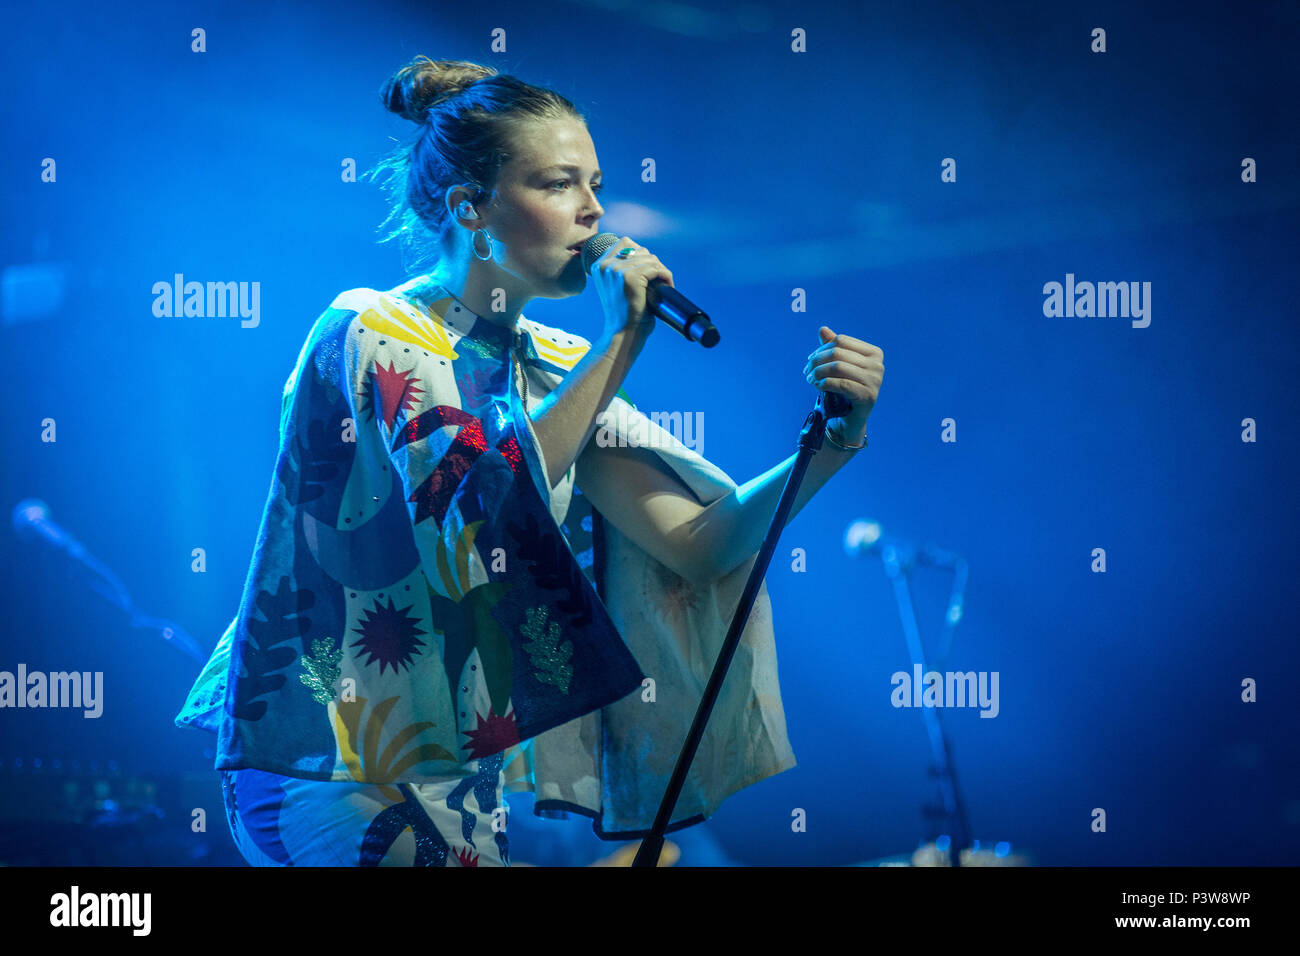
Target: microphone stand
{"x": 810, "y": 442}
{"x": 898, "y": 560}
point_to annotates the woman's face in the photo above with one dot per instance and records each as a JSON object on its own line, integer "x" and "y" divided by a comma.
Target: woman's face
{"x": 545, "y": 203}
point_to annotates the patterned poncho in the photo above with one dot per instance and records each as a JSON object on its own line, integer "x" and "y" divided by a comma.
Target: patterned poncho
{"x": 419, "y": 599}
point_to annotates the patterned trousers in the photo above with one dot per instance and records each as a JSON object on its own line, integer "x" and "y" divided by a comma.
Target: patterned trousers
{"x": 287, "y": 821}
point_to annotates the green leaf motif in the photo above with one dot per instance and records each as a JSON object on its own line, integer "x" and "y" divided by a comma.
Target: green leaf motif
{"x": 548, "y": 655}
{"x": 485, "y": 349}
{"x": 322, "y": 670}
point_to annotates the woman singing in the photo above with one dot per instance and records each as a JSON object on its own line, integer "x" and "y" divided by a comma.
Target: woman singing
{"x": 480, "y": 569}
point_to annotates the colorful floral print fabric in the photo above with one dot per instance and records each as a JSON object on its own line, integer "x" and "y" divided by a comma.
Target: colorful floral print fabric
{"x": 419, "y": 599}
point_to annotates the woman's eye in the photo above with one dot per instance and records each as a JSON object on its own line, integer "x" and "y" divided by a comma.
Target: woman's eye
{"x": 595, "y": 187}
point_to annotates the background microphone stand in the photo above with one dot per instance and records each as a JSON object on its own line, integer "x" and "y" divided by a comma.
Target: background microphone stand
{"x": 898, "y": 560}
{"x": 829, "y": 405}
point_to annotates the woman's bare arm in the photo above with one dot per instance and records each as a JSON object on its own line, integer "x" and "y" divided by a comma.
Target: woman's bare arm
{"x": 635, "y": 490}
{"x": 566, "y": 418}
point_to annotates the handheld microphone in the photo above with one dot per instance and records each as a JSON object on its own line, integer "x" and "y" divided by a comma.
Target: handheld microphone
{"x": 665, "y": 302}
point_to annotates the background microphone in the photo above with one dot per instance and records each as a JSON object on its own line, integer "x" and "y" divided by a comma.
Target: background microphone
{"x": 31, "y": 522}
{"x": 662, "y": 300}
{"x": 864, "y": 537}
{"x": 31, "y": 517}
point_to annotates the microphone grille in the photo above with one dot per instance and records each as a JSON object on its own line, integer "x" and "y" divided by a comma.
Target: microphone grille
{"x": 595, "y": 247}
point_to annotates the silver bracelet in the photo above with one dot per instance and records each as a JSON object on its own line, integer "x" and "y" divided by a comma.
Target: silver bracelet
{"x": 831, "y": 439}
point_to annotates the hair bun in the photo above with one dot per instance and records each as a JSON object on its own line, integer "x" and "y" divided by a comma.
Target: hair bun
{"x": 423, "y": 83}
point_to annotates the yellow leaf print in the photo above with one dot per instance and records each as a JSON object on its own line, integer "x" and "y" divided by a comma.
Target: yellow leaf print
{"x": 369, "y": 766}
{"x": 390, "y": 319}
{"x": 457, "y": 584}
{"x": 565, "y": 356}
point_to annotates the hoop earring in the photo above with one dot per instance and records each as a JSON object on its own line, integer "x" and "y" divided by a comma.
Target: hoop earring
{"x": 474, "y": 245}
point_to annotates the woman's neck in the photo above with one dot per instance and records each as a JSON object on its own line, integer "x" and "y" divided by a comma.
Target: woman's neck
{"x": 478, "y": 286}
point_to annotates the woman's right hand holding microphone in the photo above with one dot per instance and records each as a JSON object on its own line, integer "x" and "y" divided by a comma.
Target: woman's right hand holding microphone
{"x": 623, "y": 284}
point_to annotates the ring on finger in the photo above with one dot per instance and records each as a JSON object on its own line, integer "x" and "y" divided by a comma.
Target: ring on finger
{"x": 624, "y": 253}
